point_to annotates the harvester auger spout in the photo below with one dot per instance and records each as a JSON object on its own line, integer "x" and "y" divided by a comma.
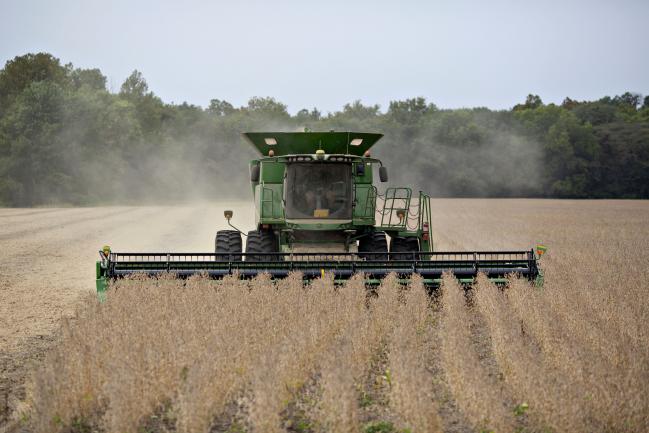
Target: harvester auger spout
{"x": 318, "y": 212}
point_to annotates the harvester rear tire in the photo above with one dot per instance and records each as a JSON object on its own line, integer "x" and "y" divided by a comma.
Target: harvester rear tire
{"x": 375, "y": 243}
{"x": 407, "y": 246}
{"x": 228, "y": 242}
{"x": 262, "y": 242}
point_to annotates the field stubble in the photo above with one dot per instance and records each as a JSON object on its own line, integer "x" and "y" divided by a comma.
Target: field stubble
{"x": 264, "y": 356}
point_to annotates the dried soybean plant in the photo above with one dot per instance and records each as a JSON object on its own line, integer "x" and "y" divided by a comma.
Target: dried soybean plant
{"x": 195, "y": 355}
{"x": 478, "y": 395}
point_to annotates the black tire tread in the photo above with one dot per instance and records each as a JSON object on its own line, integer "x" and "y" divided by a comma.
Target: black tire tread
{"x": 374, "y": 242}
{"x": 228, "y": 242}
{"x": 405, "y": 245}
{"x": 261, "y": 242}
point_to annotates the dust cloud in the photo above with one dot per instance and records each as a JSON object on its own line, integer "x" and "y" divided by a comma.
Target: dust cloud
{"x": 497, "y": 164}
{"x": 484, "y": 162}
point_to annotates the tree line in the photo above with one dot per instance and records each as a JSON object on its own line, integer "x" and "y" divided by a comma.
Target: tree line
{"x": 66, "y": 140}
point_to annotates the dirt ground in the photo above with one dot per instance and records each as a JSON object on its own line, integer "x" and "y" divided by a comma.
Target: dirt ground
{"x": 47, "y": 259}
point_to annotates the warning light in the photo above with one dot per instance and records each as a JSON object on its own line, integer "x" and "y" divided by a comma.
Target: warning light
{"x": 541, "y": 249}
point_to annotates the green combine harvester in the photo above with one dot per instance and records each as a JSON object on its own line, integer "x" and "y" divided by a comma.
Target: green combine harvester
{"x": 318, "y": 212}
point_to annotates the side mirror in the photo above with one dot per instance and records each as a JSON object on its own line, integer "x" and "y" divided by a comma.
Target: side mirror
{"x": 383, "y": 174}
{"x": 228, "y": 214}
{"x": 254, "y": 173}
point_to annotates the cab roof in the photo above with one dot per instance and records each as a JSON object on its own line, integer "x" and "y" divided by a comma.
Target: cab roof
{"x": 306, "y": 143}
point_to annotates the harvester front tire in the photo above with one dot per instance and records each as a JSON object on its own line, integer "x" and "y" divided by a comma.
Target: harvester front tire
{"x": 406, "y": 246}
{"x": 228, "y": 242}
{"x": 375, "y": 244}
{"x": 263, "y": 243}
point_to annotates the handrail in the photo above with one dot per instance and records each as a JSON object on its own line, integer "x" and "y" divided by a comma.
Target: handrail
{"x": 392, "y": 195}
{"x": 425, "y": 216}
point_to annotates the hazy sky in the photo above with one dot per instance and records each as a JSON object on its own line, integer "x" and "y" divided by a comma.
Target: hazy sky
{"x": 327, "y": 53}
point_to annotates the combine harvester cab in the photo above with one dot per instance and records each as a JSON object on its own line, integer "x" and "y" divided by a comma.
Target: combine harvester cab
{"x": 318, "y": 212}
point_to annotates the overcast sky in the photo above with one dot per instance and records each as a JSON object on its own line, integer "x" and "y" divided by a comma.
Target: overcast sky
{"x": 326, "y": 53}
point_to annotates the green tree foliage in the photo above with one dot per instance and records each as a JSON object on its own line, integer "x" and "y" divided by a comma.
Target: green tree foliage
{"x": 628, "y": 101}
{"x": 92, "y": 78}
{"x": 623, "y": 170}
{"x": 134, "y": 87}
{"x": 20, "y": 72}
{"x": 410, "y": 111}
{"x": 307, "y": 116}
{"x": 531, "y": 102}
{"x": 65, "y": 139}
{"x": 569, "y": 149}
{"x": 31, "y": 158}
{"x": 220, "y": 108}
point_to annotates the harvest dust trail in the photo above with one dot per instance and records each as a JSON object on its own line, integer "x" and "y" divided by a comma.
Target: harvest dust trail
{"x": 47, "y": 262}
{"x": 56, "y": 223}
{"x": 17, "y": 214}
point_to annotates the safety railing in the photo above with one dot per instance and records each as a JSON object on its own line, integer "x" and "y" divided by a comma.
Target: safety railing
{"x": 396, "y": 205}
{"x": 424, "y": 218}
